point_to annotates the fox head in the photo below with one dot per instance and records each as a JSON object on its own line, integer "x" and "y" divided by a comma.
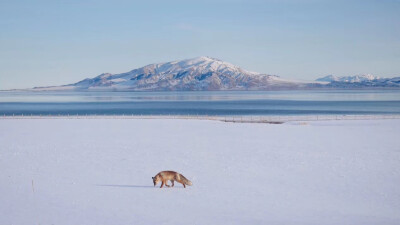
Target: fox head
{"x": 155, "y": 180}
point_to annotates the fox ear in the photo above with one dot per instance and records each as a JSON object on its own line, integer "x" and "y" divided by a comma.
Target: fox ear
{"x": 152, "y": 177}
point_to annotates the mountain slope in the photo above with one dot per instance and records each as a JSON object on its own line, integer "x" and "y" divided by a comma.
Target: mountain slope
{"x": 206, "y": 73}
{"x": 201, "y": 73}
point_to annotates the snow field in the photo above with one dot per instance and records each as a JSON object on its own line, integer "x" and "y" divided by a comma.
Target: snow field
{"x": 98, "y": 171}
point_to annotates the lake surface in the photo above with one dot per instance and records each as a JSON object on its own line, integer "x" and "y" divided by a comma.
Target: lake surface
{"x": 332, "y": 102}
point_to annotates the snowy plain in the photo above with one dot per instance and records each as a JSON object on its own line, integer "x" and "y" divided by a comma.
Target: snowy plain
{"x": 98, "y": 171}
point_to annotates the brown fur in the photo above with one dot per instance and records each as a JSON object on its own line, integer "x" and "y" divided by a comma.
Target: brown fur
{"x": 165, "y": 176}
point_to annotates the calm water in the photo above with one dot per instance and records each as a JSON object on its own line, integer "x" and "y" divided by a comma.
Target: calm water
{"x": 201, "y": 103}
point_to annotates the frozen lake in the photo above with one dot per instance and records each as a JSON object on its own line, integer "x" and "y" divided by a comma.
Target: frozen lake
{"x": 222, "y": 103}
{"x": 98, "y": 171}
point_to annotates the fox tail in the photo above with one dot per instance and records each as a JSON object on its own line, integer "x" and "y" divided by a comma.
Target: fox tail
{"x": 185, "y": 180}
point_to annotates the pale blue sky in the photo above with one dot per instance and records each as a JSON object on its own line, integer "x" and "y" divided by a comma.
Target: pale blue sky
{"x": 58, "y": 42}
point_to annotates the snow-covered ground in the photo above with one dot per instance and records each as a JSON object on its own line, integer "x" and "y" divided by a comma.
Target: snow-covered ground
{"x": 98, "y": 171}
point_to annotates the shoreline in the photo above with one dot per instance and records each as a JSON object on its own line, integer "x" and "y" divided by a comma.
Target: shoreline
{"x": 233, "y": 119}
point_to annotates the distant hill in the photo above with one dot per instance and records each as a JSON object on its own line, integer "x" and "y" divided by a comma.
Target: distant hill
{"x": 360, "y": 81}
{"x": 197, "y": 74}
{"x": 210, "y": 74}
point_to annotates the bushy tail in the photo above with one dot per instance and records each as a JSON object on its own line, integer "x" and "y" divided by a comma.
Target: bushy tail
{"x": 186, "y": 181}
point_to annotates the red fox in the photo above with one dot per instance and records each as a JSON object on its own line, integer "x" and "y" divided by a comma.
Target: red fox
{"x": 165, "y": 176}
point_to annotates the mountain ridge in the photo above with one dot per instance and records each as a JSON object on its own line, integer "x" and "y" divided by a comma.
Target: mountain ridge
{"x": 205, "y": 73}
{"x": 351, "y": 79}
{"x": 198, "y": 74}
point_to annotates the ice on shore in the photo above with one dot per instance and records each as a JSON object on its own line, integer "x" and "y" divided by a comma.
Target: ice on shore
{"x": 98, "y": 171}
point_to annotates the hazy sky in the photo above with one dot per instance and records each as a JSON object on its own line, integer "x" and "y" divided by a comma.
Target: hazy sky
{"x": 58, "y": 42}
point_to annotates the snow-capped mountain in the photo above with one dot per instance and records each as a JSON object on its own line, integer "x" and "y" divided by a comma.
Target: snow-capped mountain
{"x": 201, "y": 73}
{"x": 206, "y": 73}
{"x": 360, "y": 81}
{"x": 350, "y": 79}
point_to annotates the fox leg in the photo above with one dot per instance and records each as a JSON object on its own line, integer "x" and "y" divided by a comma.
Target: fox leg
{"x": 162, "y": 184}
{"x": 172, "y": 181}
{"x": 166, "y": 183}
{"x": 180, "y": 181}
